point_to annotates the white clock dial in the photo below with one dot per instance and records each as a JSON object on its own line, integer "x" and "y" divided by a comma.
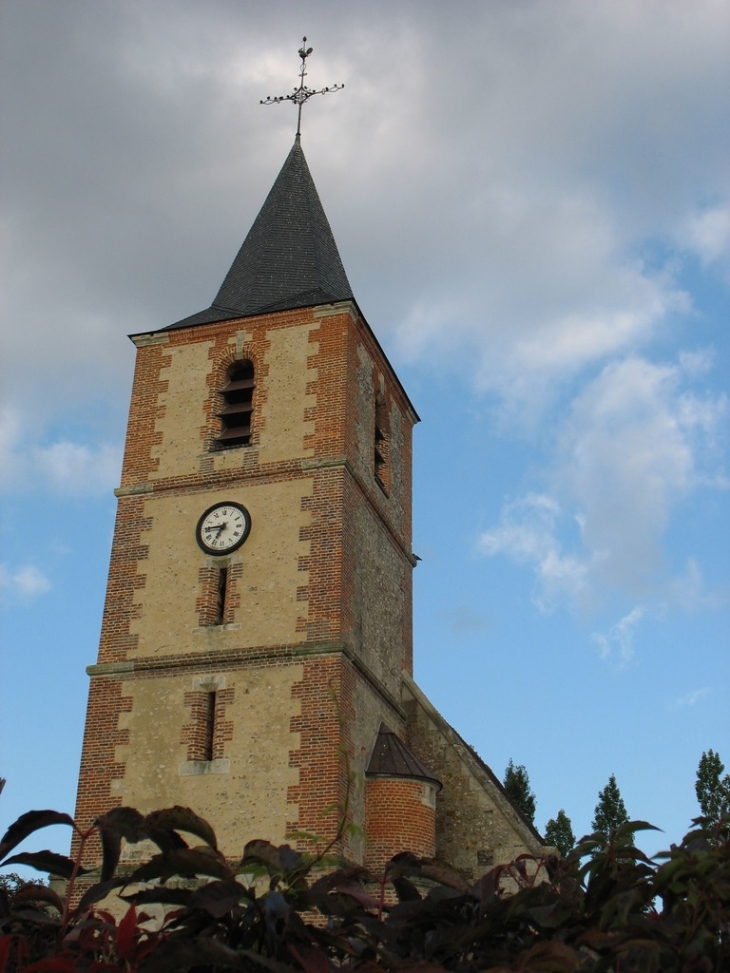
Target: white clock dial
{"x": 223, "y": 528}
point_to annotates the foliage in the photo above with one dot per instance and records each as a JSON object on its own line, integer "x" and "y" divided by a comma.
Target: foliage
{"x": 559, "y": 833}
{"x": 712, "y": 789}
{"x": 11, "y": 882}
{"x": 517, "y": 786}
{"x": 610, "y": 812}
{"x": 597, "y": 910}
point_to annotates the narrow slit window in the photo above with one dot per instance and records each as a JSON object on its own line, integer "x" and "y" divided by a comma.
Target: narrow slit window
{"x": 220, "y": 606}
{"x": 209, "y": 736}
{"x": 380, "y": 445}
{"x": 236, "y": 416}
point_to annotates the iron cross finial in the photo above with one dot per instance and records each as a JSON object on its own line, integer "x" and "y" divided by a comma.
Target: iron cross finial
{"x": 302, "y": 93}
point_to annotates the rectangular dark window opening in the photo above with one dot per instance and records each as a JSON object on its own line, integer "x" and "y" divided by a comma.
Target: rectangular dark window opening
{"x": 220, "y": 605}
{"x": 209, "y": 727}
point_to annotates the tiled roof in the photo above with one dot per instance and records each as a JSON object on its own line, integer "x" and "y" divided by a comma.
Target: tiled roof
{"x": 289, "y": 258}
{"x": 392, "y": 758}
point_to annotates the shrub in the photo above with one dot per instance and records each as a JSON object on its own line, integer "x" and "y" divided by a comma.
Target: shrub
{"x": 605, "y": 907}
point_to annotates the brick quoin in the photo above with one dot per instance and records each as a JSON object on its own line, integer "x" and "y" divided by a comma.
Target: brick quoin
{"x": 323, "y": 758}
{"x": 126, "y": 576}
{"x": 98, "y": 765}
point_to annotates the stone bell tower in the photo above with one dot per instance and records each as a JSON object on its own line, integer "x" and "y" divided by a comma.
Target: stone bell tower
{"x": 255, "y": 661}
{"x": 258, "y": 615}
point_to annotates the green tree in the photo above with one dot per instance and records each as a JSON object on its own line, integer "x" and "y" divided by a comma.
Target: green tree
{"x": 610, "y": 811}
{"x": 517, "y": 785}
{"x": 11, "y": 882}
{"x": 559, "y": 833}
{"x": 712, "y": 789}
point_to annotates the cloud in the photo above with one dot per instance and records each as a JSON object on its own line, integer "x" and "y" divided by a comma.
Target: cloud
{"x": 618, "y": 643}
{"x": 527, "y": 533}
{"x": 11, "y": 462}
{"x": 539, "y": 274}
{"x": 490, "y": 221}
{"x": 495, "y": 224}
{"x": 22, "y": 585}
{"x": 689, "y": 590}
{"x": 697, "y": 363}
{"x": 635, "y": 444}
{"x": 691, "y": 699}
{"x": 69, "y": 468}
{"x": 586, "y": 299}
{"x": 78, "y": 469}
{"x": 708, "y": 234}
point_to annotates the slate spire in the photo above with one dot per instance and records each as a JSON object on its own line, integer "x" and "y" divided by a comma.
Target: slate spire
{"x": 289, "y": 258}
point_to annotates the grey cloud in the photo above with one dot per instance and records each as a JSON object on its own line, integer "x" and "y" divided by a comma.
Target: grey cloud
{"x": 490, "y": 173}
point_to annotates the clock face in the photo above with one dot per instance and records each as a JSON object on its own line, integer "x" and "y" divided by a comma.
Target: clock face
{"x": 223, "y": 528}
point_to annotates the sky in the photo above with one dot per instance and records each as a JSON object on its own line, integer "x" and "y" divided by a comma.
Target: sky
{"x": 531, "y": 199}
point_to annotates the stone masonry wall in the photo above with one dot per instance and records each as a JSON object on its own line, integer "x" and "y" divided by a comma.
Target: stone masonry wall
{"x": 244, "y": 789}
{"x": 325, "y": 540}
{"x": 476, "y": 825}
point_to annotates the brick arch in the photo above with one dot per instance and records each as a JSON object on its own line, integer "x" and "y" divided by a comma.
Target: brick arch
{"x": 229, "y": 356}
{"x": 222, "y": 365}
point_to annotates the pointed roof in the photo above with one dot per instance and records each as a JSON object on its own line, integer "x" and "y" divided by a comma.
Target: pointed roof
{"x": 289, "y": 258}
{"x": 392, "y": 758}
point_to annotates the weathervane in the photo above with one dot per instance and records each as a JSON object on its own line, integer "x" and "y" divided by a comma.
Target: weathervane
{"x": 302, "y": 93}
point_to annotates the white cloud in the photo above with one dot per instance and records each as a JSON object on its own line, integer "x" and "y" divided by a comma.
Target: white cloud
{"x": 635, "y": 444}
{"x": 690, "y": 591}
{"x": 77, "y": 469}
{"x": 697, "y": 363}
{"x": 527, "y": 533}
{"x": 69, "y": 468}
{"x": 708, "y": 234}
{"x": 583, "y": 301}
{"x": 21, "y": 585}
{"x": 618, "y": 643}
{"x": 691, "y": 699}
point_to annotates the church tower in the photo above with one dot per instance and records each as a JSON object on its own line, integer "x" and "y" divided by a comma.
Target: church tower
{"x": 255, "y": 661}
{"x": 257, "y": 623}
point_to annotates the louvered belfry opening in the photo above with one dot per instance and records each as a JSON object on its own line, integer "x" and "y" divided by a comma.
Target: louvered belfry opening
{"x": 237, "y": 414}
{"x": 380, "y": 451}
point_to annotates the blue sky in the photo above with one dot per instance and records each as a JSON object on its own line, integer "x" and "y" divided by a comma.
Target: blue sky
{"x": 532, "y": 203}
